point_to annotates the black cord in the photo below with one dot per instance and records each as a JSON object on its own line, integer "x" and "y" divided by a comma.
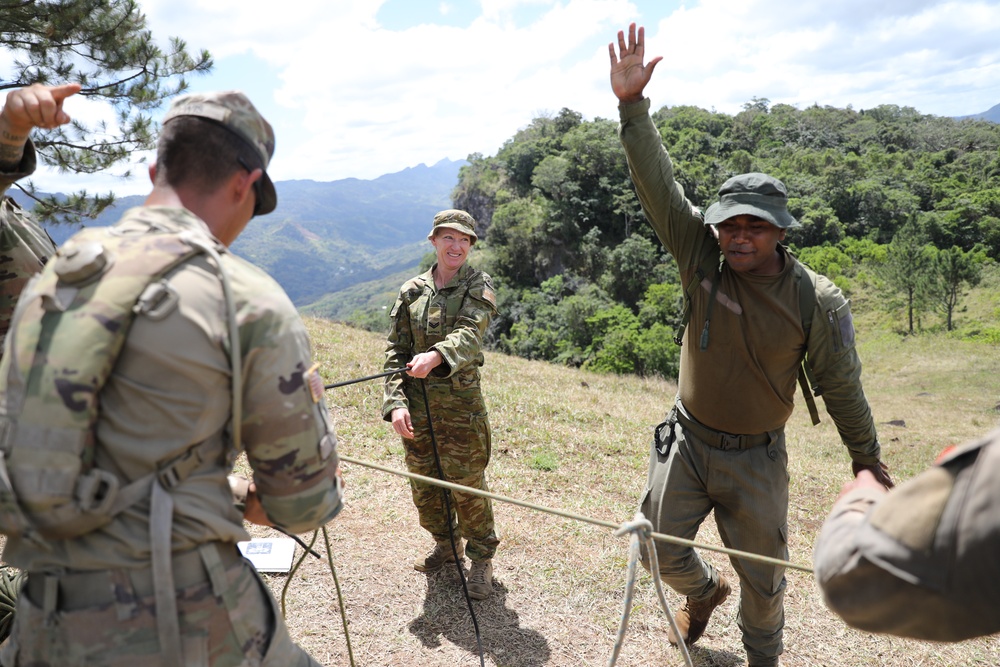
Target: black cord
{"x": 444, "y": 493}
{"x": 299, "y": 541}
{"x": 364, "y": 379}
{"x": 451, "y": 530}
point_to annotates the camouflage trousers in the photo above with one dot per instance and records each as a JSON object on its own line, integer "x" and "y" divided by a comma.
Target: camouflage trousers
{"x": 240, "y": 627}
{"x": 747, "y": 489}
{"x": 462, "y": 432}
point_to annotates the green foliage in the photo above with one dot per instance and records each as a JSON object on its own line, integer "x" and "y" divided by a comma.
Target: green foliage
{"x": 544, "y": 460}
{"x": 622, "y": 345}
{"x": 877, "y": 191}
{"x": 954, "y": 269}
{"x": 632, "y": 267}
{"x": 106, "y": 47}
{"x": 989, "y": 335}
{"x": 831, "y": 261}
{"x": 909, "y": 269}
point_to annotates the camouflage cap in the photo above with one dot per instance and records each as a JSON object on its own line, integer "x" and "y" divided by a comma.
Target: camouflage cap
{"x": 234, "y": 111}
{"x": 452, "y": 218}
{"x": 755, "y": 194}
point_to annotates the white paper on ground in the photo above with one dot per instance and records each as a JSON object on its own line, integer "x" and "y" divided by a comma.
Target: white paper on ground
{"x": 271, "y": 554}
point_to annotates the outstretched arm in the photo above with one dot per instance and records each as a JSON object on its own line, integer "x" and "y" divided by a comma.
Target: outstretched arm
{"x": 26, "y": 109}
{"x": 629, "y": 75}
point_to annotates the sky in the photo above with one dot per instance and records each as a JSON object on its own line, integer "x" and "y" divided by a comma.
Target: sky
{"x": 361, "y": 88}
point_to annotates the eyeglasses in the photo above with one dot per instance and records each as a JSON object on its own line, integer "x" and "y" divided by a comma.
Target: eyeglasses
{"x": 257, "y": 192}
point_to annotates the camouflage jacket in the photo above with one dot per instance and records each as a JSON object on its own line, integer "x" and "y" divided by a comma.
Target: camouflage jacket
{"x": 452, "y": 321}
{"x": 922, "y": 560}
{"x": 171, "y": 389}
{"x": 744, "y": 382}
{"x": 24, "y": 245}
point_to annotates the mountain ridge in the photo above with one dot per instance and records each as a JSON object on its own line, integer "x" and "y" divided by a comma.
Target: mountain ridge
{"x": 325, "y": 236}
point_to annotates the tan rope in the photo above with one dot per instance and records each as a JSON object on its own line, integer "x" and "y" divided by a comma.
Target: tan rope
{"x": 569, "y": 515}
{"x": 641, "y": 528}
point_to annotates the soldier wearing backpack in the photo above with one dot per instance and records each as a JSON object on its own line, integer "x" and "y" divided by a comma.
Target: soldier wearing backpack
{"x": 139, "y": 364}
{"x": 723, "y": 446}
{"x": 24, "y": 245}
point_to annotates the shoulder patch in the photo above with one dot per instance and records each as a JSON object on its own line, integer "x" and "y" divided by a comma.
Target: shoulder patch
{"x": 315, "y": 383}
{"x": 489, "y": 294}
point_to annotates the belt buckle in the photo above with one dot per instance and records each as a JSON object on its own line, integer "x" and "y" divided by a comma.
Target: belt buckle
{"x": 728, "y": 441}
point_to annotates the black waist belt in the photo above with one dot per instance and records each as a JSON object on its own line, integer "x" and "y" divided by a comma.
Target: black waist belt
{"x": 83, "y": 589}
{"x": 721, "y": 440}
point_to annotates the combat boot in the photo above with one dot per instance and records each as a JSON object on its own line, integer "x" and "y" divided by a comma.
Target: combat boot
{"x": 481, "y": 579}
{"x": 440, "y": 555}
{"x": 692, "y": 619}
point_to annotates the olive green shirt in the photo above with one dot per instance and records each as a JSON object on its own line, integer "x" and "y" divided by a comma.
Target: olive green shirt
{"x": 745, "y": 381}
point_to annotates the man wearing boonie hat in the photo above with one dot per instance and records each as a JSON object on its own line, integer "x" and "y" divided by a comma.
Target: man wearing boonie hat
{"x": 755, "y": 315}
{"x": 436, "y": 330}
{"x": 215, "y": 362}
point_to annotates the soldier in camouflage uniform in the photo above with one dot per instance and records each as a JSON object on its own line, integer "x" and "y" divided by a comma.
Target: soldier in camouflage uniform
{"x": 24, "y": 245}
{"x": 921, "y": 560}
{"x": 722, "y": 448}
{"x": 98, "y": 598}
{"x": 436, "y": 331}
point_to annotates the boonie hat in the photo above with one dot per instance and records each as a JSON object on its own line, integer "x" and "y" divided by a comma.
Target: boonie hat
{"x": 452, "y": 218}
{"x": 754, "y": 194}
{"x": 234, "y": 111}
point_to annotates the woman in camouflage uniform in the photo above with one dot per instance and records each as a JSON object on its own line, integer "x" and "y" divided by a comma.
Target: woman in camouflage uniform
{"x": 436, "y": 331}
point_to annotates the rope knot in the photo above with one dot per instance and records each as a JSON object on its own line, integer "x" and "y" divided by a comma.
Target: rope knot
{"x": 639, "y": 525}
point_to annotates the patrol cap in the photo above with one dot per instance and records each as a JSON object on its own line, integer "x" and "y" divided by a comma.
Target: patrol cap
{"x": 234, "y": 111}
{"x": 753, "y": 194}
{"x": 452, "y": 218}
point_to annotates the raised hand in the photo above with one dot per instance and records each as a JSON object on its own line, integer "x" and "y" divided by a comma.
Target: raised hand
{"x": 629, "y": 75}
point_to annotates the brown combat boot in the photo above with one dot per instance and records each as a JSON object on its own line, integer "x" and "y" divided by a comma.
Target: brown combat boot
{"x": 692, "y": 619}
{"x": 480, "y": 582}
{"x": 441, "y": 554}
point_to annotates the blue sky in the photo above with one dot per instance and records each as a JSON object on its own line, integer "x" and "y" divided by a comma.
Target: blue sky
{"x": 360, "y": 88}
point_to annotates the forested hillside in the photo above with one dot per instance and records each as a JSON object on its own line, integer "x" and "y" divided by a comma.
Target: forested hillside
{"x": 892, "y": 203}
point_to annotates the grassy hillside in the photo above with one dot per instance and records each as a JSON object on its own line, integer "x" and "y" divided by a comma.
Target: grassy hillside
{"x": 579, "y": 441}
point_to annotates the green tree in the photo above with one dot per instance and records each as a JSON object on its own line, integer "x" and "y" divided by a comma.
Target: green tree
{"x": 631, "y": 269}
{"x": 955, "y": 269}
{"x": 909, "y": 268}
{"x": 105, "y": 46}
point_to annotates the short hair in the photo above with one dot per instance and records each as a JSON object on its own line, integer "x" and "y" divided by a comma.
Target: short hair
{"x": 200, "y": 153}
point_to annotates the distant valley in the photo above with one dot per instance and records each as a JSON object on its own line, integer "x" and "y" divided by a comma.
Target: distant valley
{"x": 325, "y": 237}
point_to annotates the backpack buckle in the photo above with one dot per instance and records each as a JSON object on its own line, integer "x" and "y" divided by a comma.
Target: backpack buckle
{"x": 156, "y": 301}
{"x": 96, "y": 491}
{"x": 177, "y": 470}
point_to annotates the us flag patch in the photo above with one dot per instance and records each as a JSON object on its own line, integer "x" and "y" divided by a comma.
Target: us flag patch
{"x": 490, "y": 295}
{"x": 315, "y": 383}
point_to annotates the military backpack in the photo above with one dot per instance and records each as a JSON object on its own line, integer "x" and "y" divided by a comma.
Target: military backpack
{"x": 67, "y": 331}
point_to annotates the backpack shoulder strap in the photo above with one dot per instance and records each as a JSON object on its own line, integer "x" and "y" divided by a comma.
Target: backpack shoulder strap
{"x": 806, "y": 283}
{"x": 709, "y": 266}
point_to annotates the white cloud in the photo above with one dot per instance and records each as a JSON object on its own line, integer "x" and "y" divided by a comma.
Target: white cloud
{"x": 849, "y": 52}
{"x": 357, "y": 99}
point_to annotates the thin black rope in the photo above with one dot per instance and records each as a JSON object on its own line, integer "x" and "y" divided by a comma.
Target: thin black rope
{"x": 299, "y": 541}
{"x": 364, "y": 379}
{"x": 451, "y": 530}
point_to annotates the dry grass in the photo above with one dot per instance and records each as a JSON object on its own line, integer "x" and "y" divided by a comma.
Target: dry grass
{"x": 579, "y": 442}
